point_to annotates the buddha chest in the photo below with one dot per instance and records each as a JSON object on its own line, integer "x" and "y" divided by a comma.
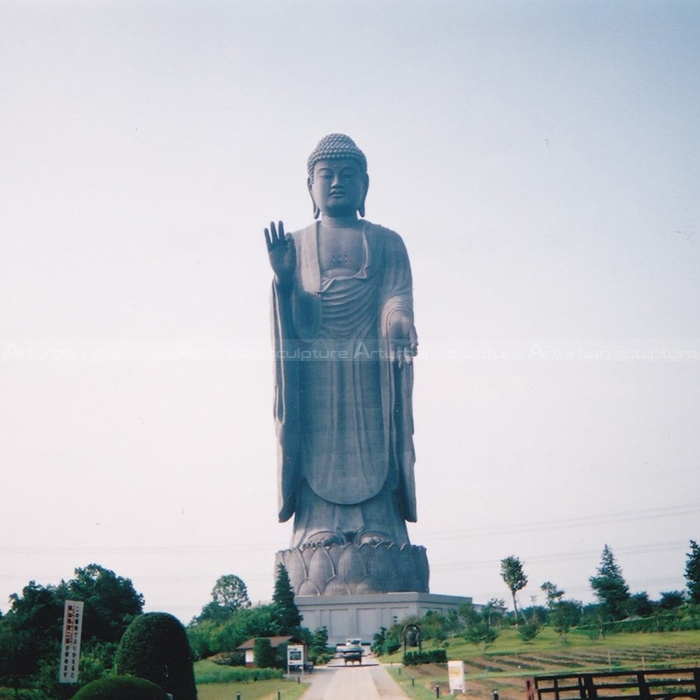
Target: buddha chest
{"x": 340, "y": 251}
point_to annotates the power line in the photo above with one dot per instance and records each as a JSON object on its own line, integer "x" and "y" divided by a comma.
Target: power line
{"x": 562, "y": 557}
{"x": 582, "y": 521}
{"x": 176, "y": 549}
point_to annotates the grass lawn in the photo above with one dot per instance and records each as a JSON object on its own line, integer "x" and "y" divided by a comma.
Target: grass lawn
{"x": 258, "y": 690}
{"x": 509, "y": 643}
{"x": 419, "y": 686}
{"x": 219, "y": 685}
{"x": 506, "y": 664}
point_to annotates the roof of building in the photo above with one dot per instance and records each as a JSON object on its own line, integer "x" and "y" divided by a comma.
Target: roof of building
{"x": 274, "y": 642}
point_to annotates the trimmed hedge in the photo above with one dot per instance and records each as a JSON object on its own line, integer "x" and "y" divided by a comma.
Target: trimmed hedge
{"x": 121, "y": 688}
{"x": 209, "y": 672}
{"x": 263, "y": 653}
{"x": 434, "y": 656}
{"x": 669, "y": 622}
{"x": 391, "y": 646}
{"x": 155, "y": 647}
{"x": 233, "y": 658}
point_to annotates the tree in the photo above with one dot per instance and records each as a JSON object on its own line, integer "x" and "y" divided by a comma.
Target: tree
{"x": 228, "y": 595}
{"x": 318, "y": 649}
{"x": 554, "y": 594}
{"x": 111, "y": 602}
{"x": 469, "y": 613}
{"x": 692, "y": 572}
{"x": 640, "y": 605}
{"x": 671, "y": 600}
{"x": 287, "y": 612}
{"x": 562, "y": 614}
{"x": 230, "y": 592}
{"x": 565, "y": 615}
{"x": 481, "y": 633}
{"x": 479, "y": 630}
{"x": 453, "y": 623}
{"x": 610, "y": 587}
{"x": 433, "y": 625}
{"x": 530, "y": 630}
{"x": 208, "y": 637}
{"x": 514, "y": 577}
{"x": 29, "y": 632}
{"x": 155, "y": 648}
{"x": 494, "y": 611}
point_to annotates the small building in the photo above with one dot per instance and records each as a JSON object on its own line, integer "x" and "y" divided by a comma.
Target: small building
{"x": 249, "y": 647}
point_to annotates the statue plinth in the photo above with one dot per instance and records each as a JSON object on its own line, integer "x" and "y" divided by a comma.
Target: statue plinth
{"x": 351, "y": 569}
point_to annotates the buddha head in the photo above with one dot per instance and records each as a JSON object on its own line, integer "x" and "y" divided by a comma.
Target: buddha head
{"x": 338, "y": 180}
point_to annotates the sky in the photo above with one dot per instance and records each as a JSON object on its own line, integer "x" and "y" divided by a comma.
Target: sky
{"x": 541, "y": 161}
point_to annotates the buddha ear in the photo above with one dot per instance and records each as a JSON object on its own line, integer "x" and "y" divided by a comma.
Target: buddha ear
{"x": 317, "y": 211}
{"x": 361, "y": 208}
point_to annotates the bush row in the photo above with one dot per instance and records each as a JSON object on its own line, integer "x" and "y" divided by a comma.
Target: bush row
{"x": 211, "y": 673}
{"x": 666, "y": 623}
{"x": 433, "y": 656}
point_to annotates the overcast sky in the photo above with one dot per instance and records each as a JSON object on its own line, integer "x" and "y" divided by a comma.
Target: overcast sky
{"x": 541, "y": 161}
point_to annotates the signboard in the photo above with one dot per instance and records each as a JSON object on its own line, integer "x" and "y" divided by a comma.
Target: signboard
{"x": 295, "y": 655}
{"x": 70, "y": 647}
{"x": 455, "y": 674}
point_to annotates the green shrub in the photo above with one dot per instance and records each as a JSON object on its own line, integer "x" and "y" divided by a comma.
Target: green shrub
{"x": 319, "y": 651}
{"x": 387, "y": 641}
{"x": 209, "y": 672}
{"x": 433, "y": 656}
{"x": 233, "y": 658}
{"x": 391, "y": 646}
{"x": 281, "y": 656}
{"x": 155, "y": 647}
{"x": 528, "y": 631}
{"x": 263, "y": 653}
{"x": 480, "y": 632}
{"x": 322, "y": 658}
{"x": 121, "y": 688}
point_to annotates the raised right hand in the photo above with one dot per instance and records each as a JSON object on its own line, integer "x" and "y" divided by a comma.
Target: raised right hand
{"x": 280, "y": 248}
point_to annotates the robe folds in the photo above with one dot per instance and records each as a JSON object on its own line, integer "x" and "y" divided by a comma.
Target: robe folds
{"x": 343, "y": 409}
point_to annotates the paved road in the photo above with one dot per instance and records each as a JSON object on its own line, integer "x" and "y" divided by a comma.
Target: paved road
{"x": 352, "y": 682}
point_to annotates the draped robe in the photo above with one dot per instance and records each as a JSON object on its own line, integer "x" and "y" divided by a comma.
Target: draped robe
{"x": 342, "y": 408}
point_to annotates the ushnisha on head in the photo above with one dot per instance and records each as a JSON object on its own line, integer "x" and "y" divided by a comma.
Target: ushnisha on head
{"x": 338, "y": 180}
{"x": 336, "y": 146}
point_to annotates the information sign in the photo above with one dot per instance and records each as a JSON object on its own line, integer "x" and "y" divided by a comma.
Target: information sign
{"x": 455, "y": 674}
{"x": 70, "y": 647}
{"x": 295, "y": 655}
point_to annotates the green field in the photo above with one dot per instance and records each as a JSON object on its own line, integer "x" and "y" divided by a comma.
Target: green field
{"x": 509, "y": 661}
{"x": 214, "y": 683}
{"x": 259, "y": 690}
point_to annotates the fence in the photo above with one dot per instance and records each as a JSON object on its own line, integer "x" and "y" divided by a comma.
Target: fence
{"x": 659, "y": 684}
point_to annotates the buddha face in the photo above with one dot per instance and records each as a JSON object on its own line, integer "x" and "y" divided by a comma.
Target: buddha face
{"x": 338, "y": 187}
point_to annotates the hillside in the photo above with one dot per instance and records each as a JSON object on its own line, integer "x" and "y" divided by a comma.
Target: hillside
{"x": 505, "y": 666}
